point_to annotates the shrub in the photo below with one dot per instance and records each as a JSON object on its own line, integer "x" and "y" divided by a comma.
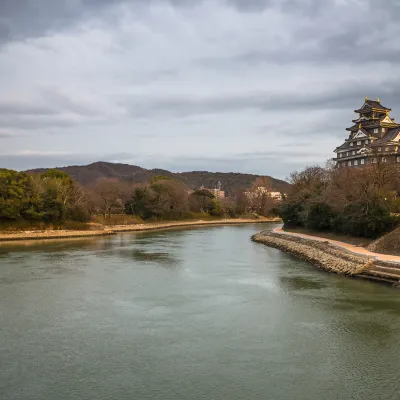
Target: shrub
{"x": 216, "y": 209}
{"x": 79, "y": 213}
{"x": 320, "y": 216}
{"x": 365, "y": 219}
{"x": 291, "y": 212}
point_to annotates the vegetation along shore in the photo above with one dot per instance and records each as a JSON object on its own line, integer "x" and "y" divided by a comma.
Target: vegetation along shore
{"x": 352, "y": 205}
{"x": 53, "y": 200}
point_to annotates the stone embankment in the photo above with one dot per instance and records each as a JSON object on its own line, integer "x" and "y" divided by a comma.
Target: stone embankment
{"x": 330, "y": 258}
{"x": 113, "y": 229}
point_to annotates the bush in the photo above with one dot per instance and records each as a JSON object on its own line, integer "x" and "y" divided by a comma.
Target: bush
{"x": 367, "y": 220}
{"x": 79, "y": 214}
{"x": 216, "y": 209}
{"x": 320, "y": 216}
{"x": 291, "y": 214}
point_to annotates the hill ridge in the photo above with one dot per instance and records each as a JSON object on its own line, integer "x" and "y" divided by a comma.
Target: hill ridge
{"x": 230, "y": 181}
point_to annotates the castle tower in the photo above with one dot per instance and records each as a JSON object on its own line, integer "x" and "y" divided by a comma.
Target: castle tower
{"x": 374, "y": 137}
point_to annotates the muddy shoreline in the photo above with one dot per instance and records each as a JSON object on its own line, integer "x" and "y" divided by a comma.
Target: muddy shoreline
{"x": 112, "y": 230}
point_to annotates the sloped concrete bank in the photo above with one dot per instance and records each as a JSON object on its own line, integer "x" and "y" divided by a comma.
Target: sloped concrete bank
{"x": 331, "y": 258}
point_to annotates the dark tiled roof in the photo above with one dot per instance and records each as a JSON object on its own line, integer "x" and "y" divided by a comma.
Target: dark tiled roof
{"x": 373, "y": 104}
{"x": 391, "y": 135}
{"x": 368, "y": 125}
{"x": 377, "y": 104}
{"x": 345, "y": 145}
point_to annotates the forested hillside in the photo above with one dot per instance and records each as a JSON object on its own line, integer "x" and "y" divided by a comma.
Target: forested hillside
{"x": 230, "y": 181}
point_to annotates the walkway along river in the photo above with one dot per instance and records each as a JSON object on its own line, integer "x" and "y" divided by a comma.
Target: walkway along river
{"x": 201, "y": 313}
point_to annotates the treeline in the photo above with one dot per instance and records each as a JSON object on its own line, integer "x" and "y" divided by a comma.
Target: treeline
{"x": 51, "y": 197}
{"x": 54, "y": 197}
{"x": 353, "y": 201}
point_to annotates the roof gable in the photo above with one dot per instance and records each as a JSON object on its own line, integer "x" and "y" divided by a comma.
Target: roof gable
{"x": 388, "y": 120}
{"x": 396, "y": 138}
{"x": 360, "y": 134}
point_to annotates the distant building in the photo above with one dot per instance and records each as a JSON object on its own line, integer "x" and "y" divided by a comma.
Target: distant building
{"x": 374, "y": 138}
{"x": 217, "y": 192}
{"x": 278, "y": 196}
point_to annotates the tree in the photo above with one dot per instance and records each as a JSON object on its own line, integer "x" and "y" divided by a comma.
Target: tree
{"x": 140, "y": 202}
{"x": 15, "y": 189}
{"x": 110, "y": 193}
{"x": 170, "y": 199}
{"x": 320, "y": 216}
{"x": 164, "y": 198}
{"x": 201, "y": 201}
{"x": 348, "y": 200}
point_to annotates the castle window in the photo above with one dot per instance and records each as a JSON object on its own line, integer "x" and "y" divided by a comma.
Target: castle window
{"x": 349, "y": 163}
{"x": 358, "y": 142}
{"x": 379, "y": 148}
{"x": 386, "y": 148}
{"x": 362, "y": 161}
{"x": 383, "y": 159}
{"x": 366, "y": 142}
{"x": 376, "y": 130}
{"x": 374, "y": 161}
{"x": 351, "y": 144}
{"x": 383, "y": 130}
{"x": 355, "y": 162}
{"x": 353, "y": 153}
{"x": 398, "y": 159}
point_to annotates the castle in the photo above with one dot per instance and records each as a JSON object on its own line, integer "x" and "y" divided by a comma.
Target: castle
{"x": 374, "y": 138}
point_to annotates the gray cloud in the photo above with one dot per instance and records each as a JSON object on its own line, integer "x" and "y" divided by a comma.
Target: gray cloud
{"x": 345, "y": 96}
{"x": 258, "y": 86}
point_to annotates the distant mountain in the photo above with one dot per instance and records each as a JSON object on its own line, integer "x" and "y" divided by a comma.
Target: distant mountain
{"x": 88, "y": 174}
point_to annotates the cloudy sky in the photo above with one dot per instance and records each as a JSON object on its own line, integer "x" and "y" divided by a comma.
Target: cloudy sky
{"x": 261, "y": 86}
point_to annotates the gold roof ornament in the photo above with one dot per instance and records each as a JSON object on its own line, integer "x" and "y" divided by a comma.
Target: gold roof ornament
{"x": 359, "y": 126}
{"x": 387, "y": 112}
{"x": 379, "y": 100}
{"x": 366, "y": 98}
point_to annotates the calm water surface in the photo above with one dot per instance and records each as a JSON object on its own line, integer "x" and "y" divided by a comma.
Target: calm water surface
{"x": 190, "y": 314}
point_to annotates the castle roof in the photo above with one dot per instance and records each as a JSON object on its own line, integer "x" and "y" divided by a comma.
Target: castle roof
{"x": 371, "y": 104}
{"x": 389, "y": 137}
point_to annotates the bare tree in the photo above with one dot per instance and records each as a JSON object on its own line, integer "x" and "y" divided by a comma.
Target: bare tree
{"x": 110, "y": 193}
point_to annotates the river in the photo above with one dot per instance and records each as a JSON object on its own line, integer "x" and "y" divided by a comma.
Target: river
{"x": 199, "y": 314}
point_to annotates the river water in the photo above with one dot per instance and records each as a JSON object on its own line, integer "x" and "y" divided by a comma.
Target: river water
{"x": 202, "y": 314}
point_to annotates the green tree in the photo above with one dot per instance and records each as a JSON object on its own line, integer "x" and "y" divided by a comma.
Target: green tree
{"x": 14, "y": 191}
{"x": 201, "y": 201}
{"x": 140, "y": 203}
{"x": 320, "y": 216}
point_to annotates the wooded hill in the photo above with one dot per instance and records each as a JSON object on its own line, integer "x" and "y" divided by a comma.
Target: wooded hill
{"x": 230, "y": 181}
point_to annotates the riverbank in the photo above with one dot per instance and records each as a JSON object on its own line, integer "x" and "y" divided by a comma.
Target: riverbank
{"x": 113, "y": 229}
{"x": 336, "y": 257}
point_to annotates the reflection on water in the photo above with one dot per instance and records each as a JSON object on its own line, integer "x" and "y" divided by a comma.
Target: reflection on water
{"x": 189, "y": 314}
{"x": 301, "y": 283}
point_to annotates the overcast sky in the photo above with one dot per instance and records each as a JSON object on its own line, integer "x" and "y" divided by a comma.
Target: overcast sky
{"x": 260, "y": 86}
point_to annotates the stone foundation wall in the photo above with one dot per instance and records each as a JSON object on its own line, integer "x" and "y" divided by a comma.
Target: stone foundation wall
{"x": 321, "y": 254}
